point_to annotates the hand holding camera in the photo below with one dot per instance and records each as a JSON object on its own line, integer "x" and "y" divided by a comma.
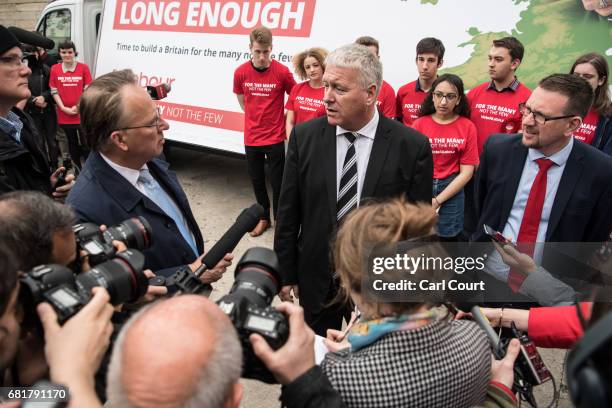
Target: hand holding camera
{"x": 296, "y": 356}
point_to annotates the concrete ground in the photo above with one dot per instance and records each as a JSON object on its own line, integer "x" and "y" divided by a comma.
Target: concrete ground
{"x": 218, "y": 189}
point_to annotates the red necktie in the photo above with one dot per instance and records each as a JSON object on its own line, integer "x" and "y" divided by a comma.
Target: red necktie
{"x": 531, "y": 219}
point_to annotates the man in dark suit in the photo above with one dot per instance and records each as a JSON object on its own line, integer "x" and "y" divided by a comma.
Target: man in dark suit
{"x": 123, "y": 178}
{"x": 542, "y": 185}
{"x": 334, "y": 163}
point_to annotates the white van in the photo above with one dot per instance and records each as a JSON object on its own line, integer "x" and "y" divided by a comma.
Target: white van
{"x": 76, "y": 20}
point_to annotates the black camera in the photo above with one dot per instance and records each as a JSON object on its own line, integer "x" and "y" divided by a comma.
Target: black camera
{"x": 121, "y": 276}
{"x": 248, "y": 307}
{"x": 135, "y": 233}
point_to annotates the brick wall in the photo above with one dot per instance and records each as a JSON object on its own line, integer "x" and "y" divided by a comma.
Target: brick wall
{"x": 21, "y": 13}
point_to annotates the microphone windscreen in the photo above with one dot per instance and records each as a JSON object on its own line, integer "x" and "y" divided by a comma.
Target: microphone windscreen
{"x": 32, "y": 38}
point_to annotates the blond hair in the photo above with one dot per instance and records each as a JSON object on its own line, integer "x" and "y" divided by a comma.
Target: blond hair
{"x": 298, "y": 60}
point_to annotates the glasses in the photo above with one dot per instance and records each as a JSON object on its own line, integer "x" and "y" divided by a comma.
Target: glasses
{"x": 16, "y": 61}
{"x": 538, "y": 117}
{"x": 158, "y": 124}
{"x": 450, "y": 97}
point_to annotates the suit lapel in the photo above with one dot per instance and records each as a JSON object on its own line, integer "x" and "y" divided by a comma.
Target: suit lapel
{"x": 571, "y": 175}
{"x": 329, "y": 163}
{"x": 378, "y": 155}
{"x": 516, "y": 163}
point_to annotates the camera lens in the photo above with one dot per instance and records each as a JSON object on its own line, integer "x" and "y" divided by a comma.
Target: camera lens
{"x": 134, "y": 233}
{"x": 257, "y": 277}
{"x": 122, "y": 277}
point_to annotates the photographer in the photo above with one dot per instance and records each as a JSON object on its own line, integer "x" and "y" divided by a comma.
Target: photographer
{"x": 123, "y": 177}
{"x": 85, "y": 335}
{"x": 305, "y": 385}
{"x": 198, "y": 365}
{"x": 23, "y": 163}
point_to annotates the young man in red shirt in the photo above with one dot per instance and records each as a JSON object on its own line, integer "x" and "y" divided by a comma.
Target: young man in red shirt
{"x": 260, "y": 85}
{"x": 67, "y": 82}
{"x": 494, "y": 105}
{"x": 386, "y": 96}
{"x": 429, "y": 58}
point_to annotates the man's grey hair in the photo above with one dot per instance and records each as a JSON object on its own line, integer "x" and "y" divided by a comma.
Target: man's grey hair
{"x": 216, "y": 380}
{"x": 358, "y": 57}
{"x": 29, "y": 219}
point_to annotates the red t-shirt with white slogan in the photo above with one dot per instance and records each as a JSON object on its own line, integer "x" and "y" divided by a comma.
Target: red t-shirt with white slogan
{"x": 586, "y": 132}
{"x": 70, "y": 85}
{"x": 264, "y": 99}
{"x": 409, "y": 101}
{"x": 386, "y": 100}
{"x": 452, "y": 144}
{"x": 306, "y": 102}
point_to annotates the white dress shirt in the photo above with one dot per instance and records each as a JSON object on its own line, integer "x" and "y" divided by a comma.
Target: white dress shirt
{"x": 363, "y": 147}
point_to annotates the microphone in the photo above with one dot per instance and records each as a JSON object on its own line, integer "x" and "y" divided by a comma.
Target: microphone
{"x": 32, "y": 38}
{"x": 157, "y": 92}
{"x": 246, "y": 221}
{"x": 186, "y": 281}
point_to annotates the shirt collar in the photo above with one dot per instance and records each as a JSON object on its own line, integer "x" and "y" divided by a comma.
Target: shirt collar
{"x": 65, "y": 69}
{"x": 511, "y": 87}
{"x": 559, "y": 158}
{"x": 417, "y": 87}
{"x": 12, "y": 125}
{"x": 130, "y": 175}
{"x": 369, "y": 130}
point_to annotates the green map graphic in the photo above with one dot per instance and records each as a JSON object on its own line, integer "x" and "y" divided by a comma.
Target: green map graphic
{"x": 554, "y": 33}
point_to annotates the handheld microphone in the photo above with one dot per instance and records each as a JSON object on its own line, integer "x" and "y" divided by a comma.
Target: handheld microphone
{"x": 186, "y": 281}
{"x": 246, "y": 221}
{"x": 158, "y": 92}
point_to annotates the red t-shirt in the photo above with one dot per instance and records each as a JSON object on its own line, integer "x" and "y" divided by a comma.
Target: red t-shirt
{"x": 586, "y": 132}
{"x": 386, "y": 100}
{"x": 496, "y": 112}
{"x": 306, "y": 102}
{"x": 70, "y": 86}
{"x": 409, "y": 101}
{"x": 264, "y": 98}
{"x": 452, "y": 144}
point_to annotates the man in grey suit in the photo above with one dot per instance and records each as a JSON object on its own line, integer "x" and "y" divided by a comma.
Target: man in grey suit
{"x": 332, "y": 165}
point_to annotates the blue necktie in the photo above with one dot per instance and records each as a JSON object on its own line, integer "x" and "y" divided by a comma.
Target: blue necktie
{"x": 159, "y": 196}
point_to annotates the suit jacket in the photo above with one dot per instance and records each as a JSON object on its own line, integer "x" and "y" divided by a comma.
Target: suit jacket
{"x": 581, "y": 211}
{"x": 103, "y": 196}
{"x": 400, "y": 163}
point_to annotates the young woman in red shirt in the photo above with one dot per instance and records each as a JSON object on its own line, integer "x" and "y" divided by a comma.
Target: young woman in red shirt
{"x": 596, "y": 128}
{"x": 444, "y": 119}
{"x": 306, "y": 99}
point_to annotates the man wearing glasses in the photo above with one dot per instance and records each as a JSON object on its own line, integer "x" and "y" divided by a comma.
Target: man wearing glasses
{"x": 539, "y": 186}
{"x": 123, "y": 177}
{"x": 23, "y": 163}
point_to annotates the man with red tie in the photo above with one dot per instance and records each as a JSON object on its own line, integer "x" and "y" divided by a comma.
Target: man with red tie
{"x": 539, "y": 186}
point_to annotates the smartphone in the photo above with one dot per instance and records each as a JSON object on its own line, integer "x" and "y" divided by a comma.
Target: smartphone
{"x": 61, "y": 177}
{"x": 497, "y": 236}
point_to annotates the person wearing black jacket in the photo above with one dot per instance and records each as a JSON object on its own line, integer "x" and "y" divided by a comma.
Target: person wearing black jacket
{"x": 40, "y": 105}
{"x": 23, "y": 163}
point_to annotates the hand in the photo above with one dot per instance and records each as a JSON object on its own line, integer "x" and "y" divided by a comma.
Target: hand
{"x": 595, "y": 5}
{"x": 434, "y": 203}
{"x": 216, "y": 273}
{"x": 297, "y": 354}
{"x": 285, "y": 293}
{"x": 85, "y": 335}
{"x": 516, "y": 260}
{"x": 336, "y": 340}
{"x": 39, "y": 101}
{"x": 60, "y": 193}
{"x": 153, "y": 292}
{"x": 502, "y": 371}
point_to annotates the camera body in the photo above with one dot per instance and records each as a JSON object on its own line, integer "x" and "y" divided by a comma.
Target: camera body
{"x": 135, "y": 233}
{"x": 67, "y": 293}
{"x": 248, "y": 305}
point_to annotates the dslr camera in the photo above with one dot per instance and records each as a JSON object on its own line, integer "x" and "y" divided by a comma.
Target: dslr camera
{"x": 248, "y": 305}
{"x": 135, "y": 233}
{"x": 67, "y": 293}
